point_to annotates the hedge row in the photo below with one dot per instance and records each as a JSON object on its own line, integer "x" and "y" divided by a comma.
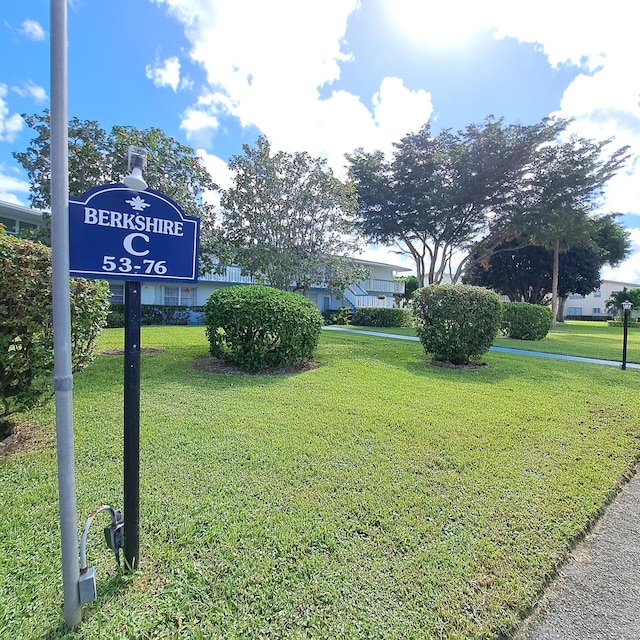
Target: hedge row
{"x": 632, "y": 324}
{"x": 369, "y": 317}
{"x": 26, "y": 323}
{"x": 383, "y": 317}
{"x": 153, "y": 314}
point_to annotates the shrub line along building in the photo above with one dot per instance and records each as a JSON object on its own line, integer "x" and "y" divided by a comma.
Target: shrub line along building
{"x": 376, "y": 291}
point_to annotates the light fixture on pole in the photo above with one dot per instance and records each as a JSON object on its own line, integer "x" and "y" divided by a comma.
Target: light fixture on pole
{"x": 136, "y": 164}
{"x": 626, "y": 305}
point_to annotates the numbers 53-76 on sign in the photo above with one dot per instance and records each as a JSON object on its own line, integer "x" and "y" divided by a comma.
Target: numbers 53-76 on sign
{"x": 117, "y": 233}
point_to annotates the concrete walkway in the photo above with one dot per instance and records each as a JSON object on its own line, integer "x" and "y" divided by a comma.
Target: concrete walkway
{"x": 521, "y": 352}
{"x": 596, "y": 595}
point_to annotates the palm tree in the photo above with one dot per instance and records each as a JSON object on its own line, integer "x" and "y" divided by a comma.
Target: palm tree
{"x": 614, "y": 303}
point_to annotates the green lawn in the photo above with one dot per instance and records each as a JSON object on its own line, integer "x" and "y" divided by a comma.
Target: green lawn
{"x": 374, "y": 497}
{"x": 573, "y": 337}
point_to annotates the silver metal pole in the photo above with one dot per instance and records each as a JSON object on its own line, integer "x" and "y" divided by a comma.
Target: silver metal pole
{"x": 62, "y": 372}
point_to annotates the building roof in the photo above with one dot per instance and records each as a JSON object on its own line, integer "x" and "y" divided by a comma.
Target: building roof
{"x": 20, "y": 212}
{"x": 380, "y": 264}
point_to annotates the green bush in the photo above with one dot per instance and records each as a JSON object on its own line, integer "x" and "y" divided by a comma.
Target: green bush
{"x": 524, "y": 321}
{"x": 115, "y": 319}
{"x": 152, "y": 314}
{"x": 260, "y": 328}
{"x": 343, "y": 315}
{"x": 456, "y": 322}
{"x": 26, "y": 322}
{"x": 631, "y": 324}
{"x": 383, "y": 317}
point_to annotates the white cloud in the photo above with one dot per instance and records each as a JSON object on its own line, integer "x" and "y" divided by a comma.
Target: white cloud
{"x": 629, "y": 270}
{"x": 268, "y": 73}
{"x": 12, "y": 184}
{"x": 165, "y": 74}
{"x": 220, "y": 173}
{"x": 217, "y": 168}
{"x": 388, "y": 255}
{"x": 275, "y": 70}
{"x": 31, "y": 90}
{"x": 200, "y": 122}
{"x": 10, "y": 125}
{"x": 33, "y": 30}
{"x": 604, "y": 99}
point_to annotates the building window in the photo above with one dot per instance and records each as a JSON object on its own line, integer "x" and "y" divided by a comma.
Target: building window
{"x": 26, "y": 226}
{"x": 597, "y": 311}
{"x": 597, "y": 294}
{"x": 9, "y": 224}
{"x": 574, "y": 311}
{"x": 575, "y": 296}
{"x": 117, "y": 293}
{"x": 180, "y": 296}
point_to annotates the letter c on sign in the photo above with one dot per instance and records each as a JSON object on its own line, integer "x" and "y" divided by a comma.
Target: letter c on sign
{"x": 127, "y": 243}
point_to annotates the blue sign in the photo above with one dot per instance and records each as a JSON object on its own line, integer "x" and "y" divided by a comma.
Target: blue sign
{"x": 118, "y": 233}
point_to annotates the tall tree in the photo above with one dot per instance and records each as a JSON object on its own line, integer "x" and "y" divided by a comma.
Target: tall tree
{"x": 566, "y": 184}
{"x": 515, "y": 269}
{"x": 288, "y": 220}
{"x": 96, "y": 157}
{"x": 524, "y": 272}
{"x": 441, "y": 194}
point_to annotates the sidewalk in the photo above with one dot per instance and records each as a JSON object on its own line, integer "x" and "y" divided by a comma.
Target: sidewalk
{"x": 521, "y": 352}
{"x": 596, "y": 595}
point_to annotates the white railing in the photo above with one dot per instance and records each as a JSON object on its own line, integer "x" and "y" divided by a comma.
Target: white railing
{"x": 367, "y": 301}
{"x": 384, "y": 286}
{"x": 231, "y": 275}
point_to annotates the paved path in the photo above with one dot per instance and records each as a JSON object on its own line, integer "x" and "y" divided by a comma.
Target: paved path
{"x": 596, "y": 595}
{"x": 522, "y": 352}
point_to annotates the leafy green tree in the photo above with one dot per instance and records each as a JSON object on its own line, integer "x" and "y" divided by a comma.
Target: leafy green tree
{"x": 97, "y": 157}
{"x": 441, "y": 194}
{"x": 524, "y": 272}
{"x": 515, "y": 269}
{"x": 565, "y": 186}
{"x": 410, "y": 285}
{"x": 614, "y": 303}
{"x": 288, "y": 220}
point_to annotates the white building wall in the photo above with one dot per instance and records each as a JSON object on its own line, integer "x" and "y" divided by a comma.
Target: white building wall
{"x": 594, "y": 303}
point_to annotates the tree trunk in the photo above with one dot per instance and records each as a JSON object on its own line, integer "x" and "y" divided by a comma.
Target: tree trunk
{"x": 560, "y": 313}
{"x": 554, "y": 283}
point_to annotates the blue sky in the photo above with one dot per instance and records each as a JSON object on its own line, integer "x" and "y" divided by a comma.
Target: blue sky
{"x": 327, "y": 76}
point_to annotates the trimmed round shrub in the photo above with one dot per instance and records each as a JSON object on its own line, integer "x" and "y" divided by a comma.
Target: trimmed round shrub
{"x": 524, "y": 321}
{"x": 456, "y": 322}
{"x": 259, "y": 328}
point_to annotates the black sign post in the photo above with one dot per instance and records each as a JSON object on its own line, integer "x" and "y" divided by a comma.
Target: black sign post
{"x": 132, "y": 425}
{"x": 117, "y": 233}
